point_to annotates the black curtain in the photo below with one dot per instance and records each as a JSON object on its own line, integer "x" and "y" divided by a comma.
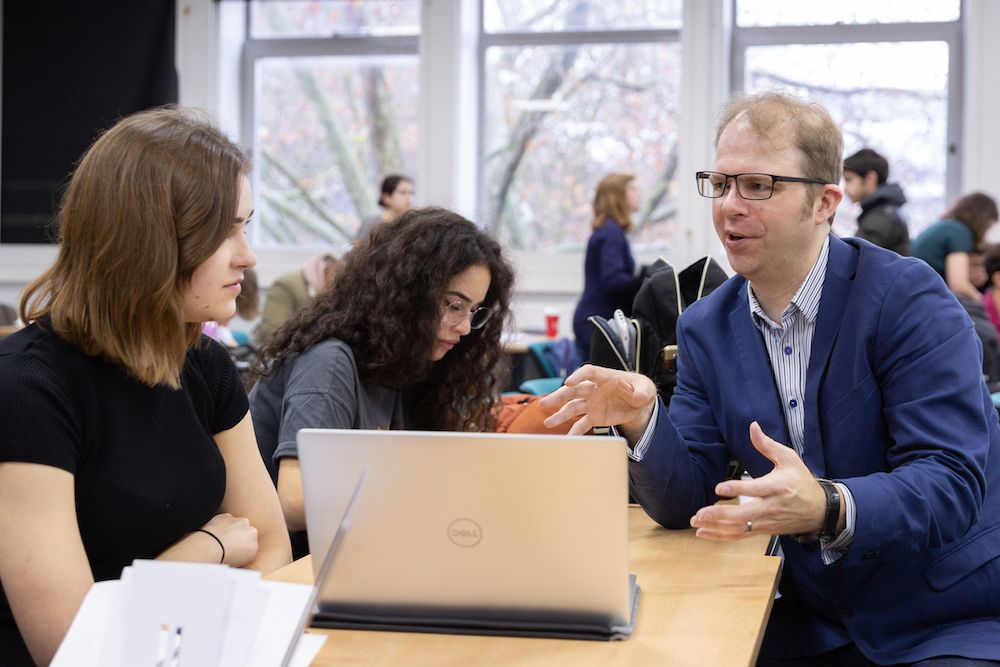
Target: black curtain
{"x": 70, "y": 70}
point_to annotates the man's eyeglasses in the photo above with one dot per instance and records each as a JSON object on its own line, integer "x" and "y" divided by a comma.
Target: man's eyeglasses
{"x": 714, "y": 184}
{"x": 455, "y": 312}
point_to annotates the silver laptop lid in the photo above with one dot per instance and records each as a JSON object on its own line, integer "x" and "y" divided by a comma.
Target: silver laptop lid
{"x": 471, "y": 521}
{"x": 326, "y": 563}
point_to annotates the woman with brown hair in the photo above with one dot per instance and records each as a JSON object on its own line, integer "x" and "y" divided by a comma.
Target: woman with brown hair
{"x": 609, "y": 268}
{"x": 947, "y": 243}
{"x": 125, "y": 431}
{"x": 407, "y": 337}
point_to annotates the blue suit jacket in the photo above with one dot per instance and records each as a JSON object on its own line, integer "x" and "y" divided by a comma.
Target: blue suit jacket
{"x": 896, "y": 409}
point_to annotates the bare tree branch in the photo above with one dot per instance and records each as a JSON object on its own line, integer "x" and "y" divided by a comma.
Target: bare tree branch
{"x": 385, "y": 137}
{"x": 274, "y": 161}
{"x": 305, "y": 221}
{"x": 660, "y": 191}
{"x": 921, "y": 96}
{"x": 355, "y": 183}
{"x": 277, "y": 226}
{"x": 615, "y": 82}
{"x": 526, "y": 128}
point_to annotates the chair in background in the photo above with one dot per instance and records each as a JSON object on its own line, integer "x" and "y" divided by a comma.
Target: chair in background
{"x": 8, "y": 315}
{"x": 541, "y": 386}
{"x": 538, "y": 352}
{"x": 556, "y": 358}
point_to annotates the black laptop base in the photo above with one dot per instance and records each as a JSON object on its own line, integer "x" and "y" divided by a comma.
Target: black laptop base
{"x": 509, "y": 624}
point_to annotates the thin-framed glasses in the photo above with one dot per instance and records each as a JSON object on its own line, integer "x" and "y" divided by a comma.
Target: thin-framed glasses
{"x": 715, "y": 184}
{"x": 455, "y": 312}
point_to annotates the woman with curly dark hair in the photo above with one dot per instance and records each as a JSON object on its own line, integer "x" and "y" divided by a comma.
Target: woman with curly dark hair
{"x": 408, "y": 337}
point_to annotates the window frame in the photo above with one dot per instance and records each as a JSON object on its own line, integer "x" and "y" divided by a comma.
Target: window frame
{"x": 950, "y": 32}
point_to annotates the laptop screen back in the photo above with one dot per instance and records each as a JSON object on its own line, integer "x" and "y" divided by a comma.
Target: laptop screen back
{"x": 476, "y": 524}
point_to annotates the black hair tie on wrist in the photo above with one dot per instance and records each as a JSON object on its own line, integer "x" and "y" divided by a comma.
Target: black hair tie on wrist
{"x": 216, "y": 538}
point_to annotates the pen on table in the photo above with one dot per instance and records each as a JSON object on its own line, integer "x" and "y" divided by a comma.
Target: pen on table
{"x": 161, "y": 645}
{"x": 175, "y": 653}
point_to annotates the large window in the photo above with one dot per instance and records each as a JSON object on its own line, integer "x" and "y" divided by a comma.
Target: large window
{"x": 888, "y": 71}
{"x": 573, "y": 90}
{"x": 335, "y": 86}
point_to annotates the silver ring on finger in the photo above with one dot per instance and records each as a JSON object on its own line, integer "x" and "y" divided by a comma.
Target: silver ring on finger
{"x": 749, "y": 526}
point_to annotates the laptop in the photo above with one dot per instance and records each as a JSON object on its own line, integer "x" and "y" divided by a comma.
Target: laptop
{"x": 325, "y": 564}
{"x": 472, "y": 533}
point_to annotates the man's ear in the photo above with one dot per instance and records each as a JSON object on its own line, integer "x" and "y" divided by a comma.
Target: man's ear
{"x": 827, "y": 203}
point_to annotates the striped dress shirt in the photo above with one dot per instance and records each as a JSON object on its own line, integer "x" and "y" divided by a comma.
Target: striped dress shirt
{"x": 788, "y": 348}
{"x": 789, "y": 345}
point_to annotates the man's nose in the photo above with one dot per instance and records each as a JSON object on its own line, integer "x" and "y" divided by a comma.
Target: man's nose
{"x": 731, "y": 201}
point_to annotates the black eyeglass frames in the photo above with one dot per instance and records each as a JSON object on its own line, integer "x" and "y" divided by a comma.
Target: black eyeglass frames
{"x": 715, "y": 184}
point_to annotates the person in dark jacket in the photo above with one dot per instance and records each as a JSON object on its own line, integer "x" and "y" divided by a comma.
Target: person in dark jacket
{"x": 609, "y": 268}
{"x": 881, "y": 221}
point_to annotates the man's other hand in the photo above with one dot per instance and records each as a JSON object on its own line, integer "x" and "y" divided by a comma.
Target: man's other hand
{"x": 786, "y": 501}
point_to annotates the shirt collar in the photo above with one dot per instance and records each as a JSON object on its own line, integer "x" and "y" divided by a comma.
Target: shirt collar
{"x": 806, "y": 299}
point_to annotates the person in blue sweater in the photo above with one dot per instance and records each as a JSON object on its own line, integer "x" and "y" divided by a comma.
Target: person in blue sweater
{"x": 609, "y": 268}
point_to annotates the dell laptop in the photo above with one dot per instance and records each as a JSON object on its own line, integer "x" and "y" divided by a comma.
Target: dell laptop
{"x": 478, "y": 533}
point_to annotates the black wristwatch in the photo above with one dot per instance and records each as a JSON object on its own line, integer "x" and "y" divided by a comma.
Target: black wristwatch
{"x": 832, "y": 516}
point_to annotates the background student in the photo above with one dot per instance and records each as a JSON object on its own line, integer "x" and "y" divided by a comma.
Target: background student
{"x": 395, "y": 198}
{"x": 247, "y": 309}
{"x": 609, "y": 268}
{"x": 866, "y": 181}
{"x": 291, "y": 292}
{"x": 946, "y": 244}
{"x": 125, "y": 431}
{"x": 408, "y": 337}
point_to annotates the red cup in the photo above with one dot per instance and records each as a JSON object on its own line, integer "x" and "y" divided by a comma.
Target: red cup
{"x": 552, "y": 324}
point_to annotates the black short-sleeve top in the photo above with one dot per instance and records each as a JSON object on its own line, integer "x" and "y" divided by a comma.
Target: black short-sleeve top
{"x": 146, "y": 467}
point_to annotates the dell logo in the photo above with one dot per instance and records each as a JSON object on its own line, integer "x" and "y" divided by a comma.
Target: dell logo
{"x": 465, "y": 532}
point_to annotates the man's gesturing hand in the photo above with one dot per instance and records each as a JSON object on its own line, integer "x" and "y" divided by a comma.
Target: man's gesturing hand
{"x": 597, "y": 396}
{"x": 788, "y": 500}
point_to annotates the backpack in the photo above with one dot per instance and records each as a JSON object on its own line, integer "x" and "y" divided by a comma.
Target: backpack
{"x": 647, "y": 343}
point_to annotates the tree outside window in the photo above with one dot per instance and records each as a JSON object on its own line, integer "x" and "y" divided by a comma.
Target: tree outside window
{"x": 327, "y": 127}
{"x": 562, "y": 109}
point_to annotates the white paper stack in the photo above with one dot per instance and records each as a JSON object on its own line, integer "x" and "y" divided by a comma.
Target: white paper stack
{"x": 166, "y": 614}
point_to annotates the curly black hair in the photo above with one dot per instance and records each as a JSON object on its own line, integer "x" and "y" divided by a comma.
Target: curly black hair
{"x": 386, "y": 304}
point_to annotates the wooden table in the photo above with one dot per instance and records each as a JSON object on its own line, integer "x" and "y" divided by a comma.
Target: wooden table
{"x": 703, "y": 603}
{"x": 519, "y": 342}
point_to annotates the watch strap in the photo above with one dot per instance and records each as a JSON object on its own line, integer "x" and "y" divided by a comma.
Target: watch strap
{"x": 832, "y": 515}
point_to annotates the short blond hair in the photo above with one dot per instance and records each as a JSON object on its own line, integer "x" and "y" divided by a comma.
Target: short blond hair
{"x": 810, "y": 128}
{"x": 151, "y": 200}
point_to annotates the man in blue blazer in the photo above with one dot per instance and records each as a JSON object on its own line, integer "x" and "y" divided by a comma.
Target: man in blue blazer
{"x": 847, "y": 380}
